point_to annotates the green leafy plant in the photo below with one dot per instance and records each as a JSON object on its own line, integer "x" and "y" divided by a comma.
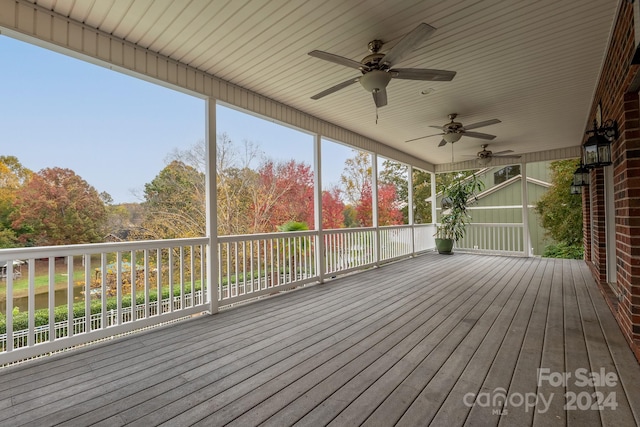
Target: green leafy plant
{"x": 457, "y": 196}
{"x": 563, "y": 250}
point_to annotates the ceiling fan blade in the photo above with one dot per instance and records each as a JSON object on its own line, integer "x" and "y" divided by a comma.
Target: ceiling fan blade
{"x": 380, "y": 97}
{"x": 335, "y": 88}
{"x": 502, "y": 152}
{"x": 422, "y": 74}
{"x": 479, "y": 135}
{"x": 442, "y": 143}
{"x": 336, "y": 59}
{"x": 423, "y": 137}
{"x": 481, "y": 124}
{"x": 408, "y": 43}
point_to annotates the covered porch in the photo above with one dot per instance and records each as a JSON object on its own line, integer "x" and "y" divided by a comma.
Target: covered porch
{"x": 460, "y": 340}
{"x": 415, "y": 338}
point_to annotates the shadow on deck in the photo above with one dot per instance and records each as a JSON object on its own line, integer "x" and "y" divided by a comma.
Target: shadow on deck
{"x": 432, "y": 340}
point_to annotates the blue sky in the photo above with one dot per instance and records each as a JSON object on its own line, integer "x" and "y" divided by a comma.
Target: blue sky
{"x": 114, "y": 130}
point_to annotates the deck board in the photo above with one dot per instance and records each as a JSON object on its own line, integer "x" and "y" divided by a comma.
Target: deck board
{"x": 397, "y": 345}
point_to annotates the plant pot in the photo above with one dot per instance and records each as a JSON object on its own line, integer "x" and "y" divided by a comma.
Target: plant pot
{"x": 444, "y": 246}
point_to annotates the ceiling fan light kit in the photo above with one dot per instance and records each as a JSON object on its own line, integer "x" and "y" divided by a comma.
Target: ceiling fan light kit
{"x": 375, "y": 80}
{"x": 484, "y": 161}
{"x": 452, "y": 137}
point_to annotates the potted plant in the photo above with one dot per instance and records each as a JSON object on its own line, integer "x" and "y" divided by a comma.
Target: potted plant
{"x": 455, "y": 217}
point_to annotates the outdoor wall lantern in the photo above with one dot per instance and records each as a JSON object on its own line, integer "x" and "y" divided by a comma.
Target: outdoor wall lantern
{"x": 596, "y": 151}
{"x": 575, "y": 189}
{"x": 581, "y": 176}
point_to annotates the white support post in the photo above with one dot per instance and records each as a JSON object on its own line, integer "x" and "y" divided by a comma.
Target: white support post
{"x": 374, "y": 207}
{"x": 434, "y": 212}
{"x": 317, "y": 183}
{"x": 212, "y": 207}
{"x": 410, "y": 209}
{"x": 526, "y": 237}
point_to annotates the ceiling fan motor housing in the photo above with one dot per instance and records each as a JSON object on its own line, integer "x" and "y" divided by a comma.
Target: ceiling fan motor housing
{"x": 453, "y": 127}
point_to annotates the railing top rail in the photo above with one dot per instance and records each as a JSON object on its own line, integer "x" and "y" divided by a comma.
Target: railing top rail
{"x": 265, "y": 236}
{"x": 95, "y": 248}
{"x": 395, "y": 227}
{"x": 348, "y": 230}
{"x": 424, "y": 225}
{"x": 497, "y": 224}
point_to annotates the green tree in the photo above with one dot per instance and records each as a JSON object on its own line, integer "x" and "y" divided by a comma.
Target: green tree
{"x": 174, "y": 203}
{"x": 560, "y": 212}
{"x": 421, "y": 195}
{"x": 396, "y": 174}
{"x": 57, "y": 207}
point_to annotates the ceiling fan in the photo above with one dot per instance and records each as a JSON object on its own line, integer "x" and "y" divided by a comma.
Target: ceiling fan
{"x": 453, "y": 131}
{"x": 376, "y": 67}
{"x": 484, "y": 157}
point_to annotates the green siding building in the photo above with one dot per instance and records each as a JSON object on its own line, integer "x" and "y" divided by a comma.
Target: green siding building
{"x": 501, "y": 200}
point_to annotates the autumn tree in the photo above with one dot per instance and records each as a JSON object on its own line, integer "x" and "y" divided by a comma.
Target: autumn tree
{"x": 57, "y": 207}
{"x": 12, "y": 176}
{"x": 560, "y": 212}
{"x": 356, "y": 174}
{"x": 356, "y": 180}
{"x": 235, "y": 180}
{"x": 357, "y": 183}
{"x": 255, "y": 194}
{"x": 394, "y": 174}
{"x": 284, "y": 193}
{"x": 332, "y": 209}
{"x": 389, "y": 212}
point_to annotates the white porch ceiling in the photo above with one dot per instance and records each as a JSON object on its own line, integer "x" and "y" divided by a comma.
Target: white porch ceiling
{"x": 533, "y": 65}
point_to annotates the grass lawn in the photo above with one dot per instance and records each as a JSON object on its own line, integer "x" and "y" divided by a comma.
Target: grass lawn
{"x": 21, "y": 285}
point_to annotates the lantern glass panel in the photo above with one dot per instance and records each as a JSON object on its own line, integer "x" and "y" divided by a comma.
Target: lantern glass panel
{"x": 590, "y": 155}
{"x": 604, "y": 154}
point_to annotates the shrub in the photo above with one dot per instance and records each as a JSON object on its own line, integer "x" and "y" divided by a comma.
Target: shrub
{"x": 41, "y": 317}
{"x": 562, "y": 250}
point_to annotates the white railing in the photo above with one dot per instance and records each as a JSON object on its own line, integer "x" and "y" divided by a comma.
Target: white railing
{"x": 423, "y": 237}
{"x": 119, "y": 288}
{"x": 258, "y": 264}
{"x": 120, "y": 283}
{"x": 21, "y": 337}
{"x": 493, "y": 238}
{"x": 395, "y": 242}
{"x": 348, "y": 249}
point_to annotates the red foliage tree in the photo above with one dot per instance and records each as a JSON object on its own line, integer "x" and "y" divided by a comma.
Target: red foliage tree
{"x": 389, "y": 212}
{"x": 332, "y": 209}
{"x": 364, "y": 212}
{"x": 284, "y": 193}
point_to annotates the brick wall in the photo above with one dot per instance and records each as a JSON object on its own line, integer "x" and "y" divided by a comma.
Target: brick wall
{"x": 618, "y": 96}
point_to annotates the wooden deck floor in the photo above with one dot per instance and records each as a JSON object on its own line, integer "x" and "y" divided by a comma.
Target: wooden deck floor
{"x": 412, "y": 343}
